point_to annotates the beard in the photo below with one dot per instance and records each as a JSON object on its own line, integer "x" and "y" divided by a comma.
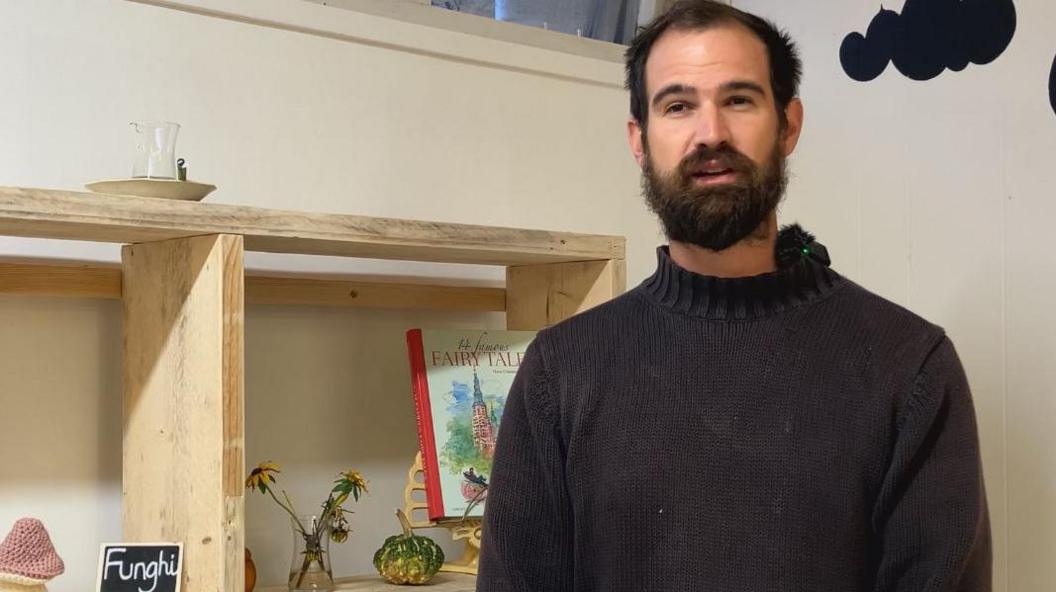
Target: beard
{"x": 719, "y": 216}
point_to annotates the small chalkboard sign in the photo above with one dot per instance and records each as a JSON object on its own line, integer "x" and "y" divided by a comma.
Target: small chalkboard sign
{"x": 140, "y": 567}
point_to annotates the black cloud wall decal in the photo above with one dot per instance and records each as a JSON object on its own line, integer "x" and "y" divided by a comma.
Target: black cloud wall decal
{"x": 929, "y": 37}
{"x": 1052, "y": 86}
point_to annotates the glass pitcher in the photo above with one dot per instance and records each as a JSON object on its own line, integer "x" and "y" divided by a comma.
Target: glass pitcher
{"x": 155, "y": 149}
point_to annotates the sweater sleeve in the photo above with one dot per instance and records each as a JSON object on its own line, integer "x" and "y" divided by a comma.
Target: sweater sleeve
{"x": 931, "y": 514}
{"x": 527, "y": 540}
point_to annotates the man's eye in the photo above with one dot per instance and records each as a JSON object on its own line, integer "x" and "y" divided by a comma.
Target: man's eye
{"x": 740, "y": 101}
{"x": 675, "y": 108}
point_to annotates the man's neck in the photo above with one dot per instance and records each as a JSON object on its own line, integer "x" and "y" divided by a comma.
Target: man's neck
{"x": 753, "y": 255}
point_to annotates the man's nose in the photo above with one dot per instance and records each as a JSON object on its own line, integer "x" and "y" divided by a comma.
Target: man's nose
{"x": 711, "y": 129}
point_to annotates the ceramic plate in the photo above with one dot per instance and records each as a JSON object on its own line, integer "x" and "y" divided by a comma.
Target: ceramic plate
{"x": 163, "y": 188}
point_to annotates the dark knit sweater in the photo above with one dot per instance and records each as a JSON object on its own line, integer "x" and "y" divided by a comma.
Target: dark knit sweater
{"x": 786, "y": 432}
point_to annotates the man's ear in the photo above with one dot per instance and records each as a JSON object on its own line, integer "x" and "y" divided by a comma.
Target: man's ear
{"x": 635, "y": 140}
{"x": 794, "y": 125}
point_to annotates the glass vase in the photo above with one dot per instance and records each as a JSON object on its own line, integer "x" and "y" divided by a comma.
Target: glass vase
{"x": 310, "y": 563}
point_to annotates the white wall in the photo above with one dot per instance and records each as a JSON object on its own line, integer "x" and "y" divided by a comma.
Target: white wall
{"x": 60, "y": 424}
{"x": 285, "y": 119}
{"x": 939, "y": 196}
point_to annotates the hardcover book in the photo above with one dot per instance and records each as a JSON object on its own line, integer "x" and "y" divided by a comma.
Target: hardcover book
{"x": 460, "y": 380}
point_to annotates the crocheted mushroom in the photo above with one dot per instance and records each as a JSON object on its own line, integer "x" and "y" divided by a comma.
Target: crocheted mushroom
{"x": 27, "y": 557}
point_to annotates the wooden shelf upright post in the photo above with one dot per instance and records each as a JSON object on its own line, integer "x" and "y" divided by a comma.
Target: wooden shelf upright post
{"x": 541, "y": 295}
{"x": 183, "y": 441}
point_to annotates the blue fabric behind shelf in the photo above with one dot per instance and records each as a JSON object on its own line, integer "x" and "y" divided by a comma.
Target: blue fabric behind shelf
{"x": 606, "y": 20}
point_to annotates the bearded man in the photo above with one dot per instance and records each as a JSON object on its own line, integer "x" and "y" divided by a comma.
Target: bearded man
{"x": 746, "y": 419}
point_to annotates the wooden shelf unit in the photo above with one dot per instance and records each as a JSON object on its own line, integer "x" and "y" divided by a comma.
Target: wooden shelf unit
{"x": 183, "y": 292}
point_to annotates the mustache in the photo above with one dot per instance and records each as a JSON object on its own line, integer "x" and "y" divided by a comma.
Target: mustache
{"x": 724, "y": 155}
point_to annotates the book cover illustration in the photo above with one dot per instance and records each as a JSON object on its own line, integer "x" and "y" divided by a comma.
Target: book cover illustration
{"x": 461, "y": 379}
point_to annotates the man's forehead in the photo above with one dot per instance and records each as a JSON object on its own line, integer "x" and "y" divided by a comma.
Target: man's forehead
{"x": 719, "y": 53}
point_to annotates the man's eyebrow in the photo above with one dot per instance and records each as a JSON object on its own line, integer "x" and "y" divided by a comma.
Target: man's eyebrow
{"x": 671, "y": 89}
{"x": 732, "y": 86}
{"x": 747, "y": 85}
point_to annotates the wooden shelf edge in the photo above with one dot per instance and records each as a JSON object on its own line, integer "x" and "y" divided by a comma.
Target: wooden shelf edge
{"x": 71, "y": 215}
{"x": 441, "y": 582}
{"x": 41, "y": 277}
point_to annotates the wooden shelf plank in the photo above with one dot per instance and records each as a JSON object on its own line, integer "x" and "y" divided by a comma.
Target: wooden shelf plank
{"x": 364, "y": 294}
{"x": 57, "y": 214}
{"x": 50, "y": 278}
{"x": 441, "y": 582}
{"x": 88, "y": 280}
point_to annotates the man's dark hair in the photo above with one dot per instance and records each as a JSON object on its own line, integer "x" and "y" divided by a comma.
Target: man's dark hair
{"x": 785, "y": 65}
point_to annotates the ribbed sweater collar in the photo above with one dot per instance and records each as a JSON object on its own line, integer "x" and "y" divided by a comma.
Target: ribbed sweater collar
{"x": 803, "y": 276}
